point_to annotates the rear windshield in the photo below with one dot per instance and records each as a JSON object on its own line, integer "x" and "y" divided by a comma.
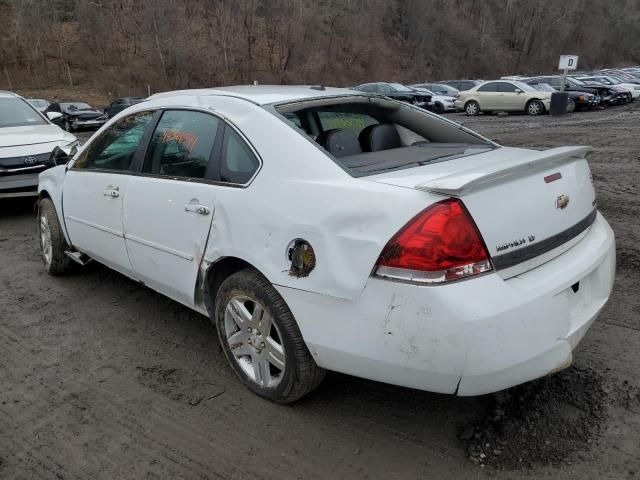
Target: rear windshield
{"x": 372, "y": 135}
{"x": 16, "y": 112}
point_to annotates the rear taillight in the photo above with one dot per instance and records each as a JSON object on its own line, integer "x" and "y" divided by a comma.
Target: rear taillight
{"x": 440, "y": 244}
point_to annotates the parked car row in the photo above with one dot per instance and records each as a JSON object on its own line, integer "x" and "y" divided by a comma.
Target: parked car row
{"x": 81, "y": 115}
{"x": 527, "y": 94}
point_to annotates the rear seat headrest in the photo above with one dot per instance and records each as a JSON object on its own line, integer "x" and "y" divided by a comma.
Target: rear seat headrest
{"x": 340, "y": 142}
{"x": 383, "y": 136}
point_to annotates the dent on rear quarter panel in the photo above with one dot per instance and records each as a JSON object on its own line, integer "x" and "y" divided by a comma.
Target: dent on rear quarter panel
{"x": 300, "y": 193}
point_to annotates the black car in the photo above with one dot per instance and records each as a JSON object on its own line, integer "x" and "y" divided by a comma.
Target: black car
{"x": 605, "y": 95}
{"x": 396, "y": 91}
{"x": 120, "y": 104}
{"x": 577, "y": 100}
{"x": 77, "y": 115}
{"x": 461, "y": 85}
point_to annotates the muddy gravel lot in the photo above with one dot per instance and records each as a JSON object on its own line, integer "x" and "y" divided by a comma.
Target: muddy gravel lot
{"x": 101, "y": 378}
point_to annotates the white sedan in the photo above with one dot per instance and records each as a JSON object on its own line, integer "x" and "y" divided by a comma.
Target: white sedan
{"x": 27, "y": 139}
{"x": 326, "y": 229}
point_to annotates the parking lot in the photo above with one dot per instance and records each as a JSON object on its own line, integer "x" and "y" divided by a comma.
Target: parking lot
{"x": 103, "y": 378}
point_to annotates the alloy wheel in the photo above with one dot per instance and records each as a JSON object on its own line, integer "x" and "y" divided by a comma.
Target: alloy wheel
{"x": 254, "y": 340}
{"x": 45, "y": 239}
{"x": 534, "y": 108}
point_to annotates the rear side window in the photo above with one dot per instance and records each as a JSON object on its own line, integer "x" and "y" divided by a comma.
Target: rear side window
{"x": 115, "y": 148}
{"x": 239, "y": 164}
{"x": 351, "y": 121}
{"x": 489, "y": 87}
{"x": 182, "y": 144}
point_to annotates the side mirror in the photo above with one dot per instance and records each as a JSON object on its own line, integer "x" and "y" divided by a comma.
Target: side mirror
{"x": 518, "y": 90}
{"x": 53, "y": 116}
{"x": 61, "y": 157}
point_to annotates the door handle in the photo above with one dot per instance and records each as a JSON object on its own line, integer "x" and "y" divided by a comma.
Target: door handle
{"x": 112, "y": 192}
{"x": 194, "y": 207}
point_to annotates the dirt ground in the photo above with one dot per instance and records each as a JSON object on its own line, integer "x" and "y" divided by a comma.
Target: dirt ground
{"x": 101, "y": 378}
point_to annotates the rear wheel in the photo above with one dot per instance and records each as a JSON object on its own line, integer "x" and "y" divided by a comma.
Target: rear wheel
{"x": 261, "y": 339}
{"x": 472, "y": 108}
{"x": 52, "y": 241}
{"x": 438, "y": 107}
{"x": 534, "y": 107}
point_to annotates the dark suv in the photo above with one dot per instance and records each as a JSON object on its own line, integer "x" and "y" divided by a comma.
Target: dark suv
{"x": 120, "y": 104}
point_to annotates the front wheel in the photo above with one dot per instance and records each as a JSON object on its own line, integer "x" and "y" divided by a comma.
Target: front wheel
{"x": 472, "y": 108}
{"x": 571, "y": 105}
{"x": 535, "y": 107}
{"x": 52, "y": 241}
{"x": 261, "y": 339}
{"x": 67, "y": 126}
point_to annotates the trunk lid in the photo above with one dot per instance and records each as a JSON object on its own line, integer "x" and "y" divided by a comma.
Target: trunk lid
{"x": 529, "y": 206}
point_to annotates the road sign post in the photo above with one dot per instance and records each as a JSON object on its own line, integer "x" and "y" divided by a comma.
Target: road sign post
{"x": 567, "y": 62}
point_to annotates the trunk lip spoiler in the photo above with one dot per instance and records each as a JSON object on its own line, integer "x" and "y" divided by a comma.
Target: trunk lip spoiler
{"x": 459, "y": 183}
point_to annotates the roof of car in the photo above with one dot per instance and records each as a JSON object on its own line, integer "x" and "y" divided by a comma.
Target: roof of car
{"x": 264, "y": 94}
{"x": 6, "y": 94}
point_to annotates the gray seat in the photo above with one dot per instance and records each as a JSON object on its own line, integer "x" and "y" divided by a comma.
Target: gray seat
{"x": 383, "y": 136}
{"x": 340, "y": 142}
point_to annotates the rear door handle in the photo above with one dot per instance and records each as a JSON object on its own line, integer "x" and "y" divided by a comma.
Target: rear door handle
{"x": 113, "y": 192}
{"x": 194, "y": 207}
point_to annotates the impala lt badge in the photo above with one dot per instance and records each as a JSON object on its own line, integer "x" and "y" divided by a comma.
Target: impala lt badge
{"x": 562, "y": 201}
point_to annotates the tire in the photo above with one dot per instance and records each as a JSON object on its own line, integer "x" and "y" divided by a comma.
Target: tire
{"x": 264, "y": 347}
{"x": 52, "y": 241}
{"x": 439, "y": 108}
{"x": 67, "y": 126}
{"x": 534, "y": 107}
{"x": 472, "y": 108}
{"x": 571, "y": 105}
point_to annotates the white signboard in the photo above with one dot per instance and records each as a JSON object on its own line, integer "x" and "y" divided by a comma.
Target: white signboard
{"x": 568, "y": 62}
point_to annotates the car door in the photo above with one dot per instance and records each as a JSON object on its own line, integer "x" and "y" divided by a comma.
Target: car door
{"x": 169, "y": 205}
{"x": 509, "y": 97}
{"x": 488, "y": 96}
{"x": 95, "y": 186}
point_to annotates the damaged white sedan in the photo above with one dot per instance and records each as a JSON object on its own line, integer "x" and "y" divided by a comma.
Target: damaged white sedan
{"x": 327, "y": 229}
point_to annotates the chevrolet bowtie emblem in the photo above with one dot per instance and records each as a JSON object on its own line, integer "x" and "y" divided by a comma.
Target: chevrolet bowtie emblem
{"x": 562, "y": 201}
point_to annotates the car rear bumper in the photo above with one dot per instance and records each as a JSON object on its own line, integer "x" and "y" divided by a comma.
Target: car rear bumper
{"x": 471, "y": 337}
{"x": 23, "y": 185}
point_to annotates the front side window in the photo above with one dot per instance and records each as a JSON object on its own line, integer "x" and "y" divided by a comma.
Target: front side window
{"x": 506, "y": 87}
{"x": 182, "y": 144}
{"x": 115, "y": 148}
{"x": 16, "y": 112}
{"x": 239, "y": 164}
